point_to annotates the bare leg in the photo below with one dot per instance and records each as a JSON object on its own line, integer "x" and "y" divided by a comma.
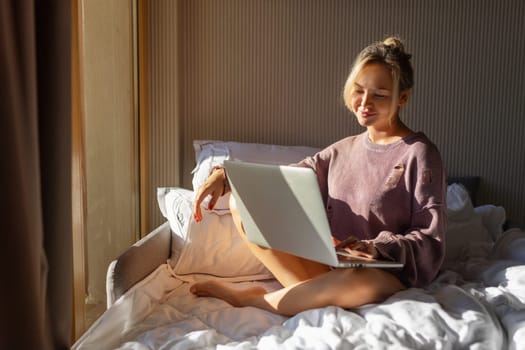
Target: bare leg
{"x": 307, "y": 284}
{"x": 347, "y": 288}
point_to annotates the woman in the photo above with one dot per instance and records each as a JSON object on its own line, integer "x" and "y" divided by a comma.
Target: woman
{"x": 384, "y": 192}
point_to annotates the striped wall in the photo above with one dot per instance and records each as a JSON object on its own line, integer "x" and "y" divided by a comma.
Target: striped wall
{"x": 164, "y": 142}
{"x": 272, "y": 72}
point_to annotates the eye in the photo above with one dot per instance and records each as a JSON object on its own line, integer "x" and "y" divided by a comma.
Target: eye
{"x": 380, "y": 96}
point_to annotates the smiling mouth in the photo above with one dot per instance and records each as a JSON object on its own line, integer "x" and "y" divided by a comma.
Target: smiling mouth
{"x": 367, "y": 114}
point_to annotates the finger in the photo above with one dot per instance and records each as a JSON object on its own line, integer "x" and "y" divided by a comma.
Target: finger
{"x": 366, "y": 248}
{"x": 351, "y": 240}
{"x": 197, "y": 214}
{"x": 201, "y": 195}
{"x": 366, "y": 255}
{"x": 360, "y": 253}
{"x": 214, "y": 198}
{"x": 362, "y": 246}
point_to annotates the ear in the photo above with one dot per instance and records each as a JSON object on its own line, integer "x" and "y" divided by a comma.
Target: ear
{"x": 403, "y": 98}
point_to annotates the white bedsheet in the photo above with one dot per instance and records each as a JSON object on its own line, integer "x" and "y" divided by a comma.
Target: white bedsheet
{"x": 452, "y": 313}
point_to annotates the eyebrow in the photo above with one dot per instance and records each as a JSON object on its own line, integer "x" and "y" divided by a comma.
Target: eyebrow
{"x": 376, "y": 89}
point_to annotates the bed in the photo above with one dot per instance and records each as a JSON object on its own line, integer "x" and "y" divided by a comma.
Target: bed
{"x": 476, "y": 302}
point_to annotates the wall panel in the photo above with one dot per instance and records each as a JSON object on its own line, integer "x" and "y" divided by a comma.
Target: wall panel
{"x": 273, "y": 71}
{"x": 109, "y": 135}
{"x": 163, "y": 105}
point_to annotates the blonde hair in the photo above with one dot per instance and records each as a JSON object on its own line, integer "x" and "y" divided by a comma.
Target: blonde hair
{"x": 389, "y": 52}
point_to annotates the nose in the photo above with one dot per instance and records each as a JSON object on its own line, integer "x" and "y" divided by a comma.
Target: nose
{"x": 365, "y": 99}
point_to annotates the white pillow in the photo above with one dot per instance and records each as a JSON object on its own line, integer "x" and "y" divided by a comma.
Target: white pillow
{"x": 213, "y": 153}
{"x": 460, "y": 235}
{"x": 175, "y": 205}
{"x": 211, "y": 248}
{"x": 459, "y": 208}
{"x": 459, "y": 205}
{"x": 510, "y": 246}
{"x": 214, "y": 249}
{"x": 493, "y": 218}
{"x": 464, "y": 227}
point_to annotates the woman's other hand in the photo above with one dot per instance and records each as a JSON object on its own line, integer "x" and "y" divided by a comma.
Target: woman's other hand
{"x": 364, "y": 248}
{"x": 215, "y": 186}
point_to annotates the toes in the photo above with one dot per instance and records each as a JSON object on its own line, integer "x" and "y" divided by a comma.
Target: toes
{"x": 202, "y": 289}
{"x": 197, "y": 290}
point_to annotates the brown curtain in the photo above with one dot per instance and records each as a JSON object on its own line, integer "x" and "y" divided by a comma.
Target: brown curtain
{"x": 35, "y": 175}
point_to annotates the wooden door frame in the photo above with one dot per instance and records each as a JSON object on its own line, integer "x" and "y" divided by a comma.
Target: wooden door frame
{"x": 142, "y": 37}
{"x": 78, "y": 163}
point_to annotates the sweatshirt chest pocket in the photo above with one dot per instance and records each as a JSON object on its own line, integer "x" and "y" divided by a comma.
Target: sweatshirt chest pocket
{"x": 392, "y": 190}
{"x": 394, "y": 177}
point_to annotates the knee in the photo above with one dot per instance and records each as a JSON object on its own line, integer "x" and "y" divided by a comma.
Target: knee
{"x": 363, "y": 286}
{"x": 381, "y": 285}
{"x": 234, "y": 210}
{"x": 233, "y": 204}
{"x": 236, "y": 216}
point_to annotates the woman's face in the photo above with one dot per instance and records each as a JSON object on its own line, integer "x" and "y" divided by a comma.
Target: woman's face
{"x": 371, "y": 97}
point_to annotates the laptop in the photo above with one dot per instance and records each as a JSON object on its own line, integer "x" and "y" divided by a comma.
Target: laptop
{"x": 281, "y": 208}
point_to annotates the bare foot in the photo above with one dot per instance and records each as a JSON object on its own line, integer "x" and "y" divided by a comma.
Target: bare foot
{"x": 234, "y": 296}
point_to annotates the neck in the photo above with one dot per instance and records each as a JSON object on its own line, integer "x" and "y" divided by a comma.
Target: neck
{"x": 394, "y": 132}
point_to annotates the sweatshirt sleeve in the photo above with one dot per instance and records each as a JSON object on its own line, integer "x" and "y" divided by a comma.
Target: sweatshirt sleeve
{"x": 421, "y": 247}
{"x": 319, "y": 163}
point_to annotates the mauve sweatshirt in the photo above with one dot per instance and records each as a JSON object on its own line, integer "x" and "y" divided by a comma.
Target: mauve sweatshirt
{"x": 392, "y": 194}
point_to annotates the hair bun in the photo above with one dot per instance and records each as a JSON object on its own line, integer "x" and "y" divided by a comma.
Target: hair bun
{"x": 395, "y": 44}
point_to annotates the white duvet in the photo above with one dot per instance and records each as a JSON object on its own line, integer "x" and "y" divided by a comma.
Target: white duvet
{"x": 452, "y": 313}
